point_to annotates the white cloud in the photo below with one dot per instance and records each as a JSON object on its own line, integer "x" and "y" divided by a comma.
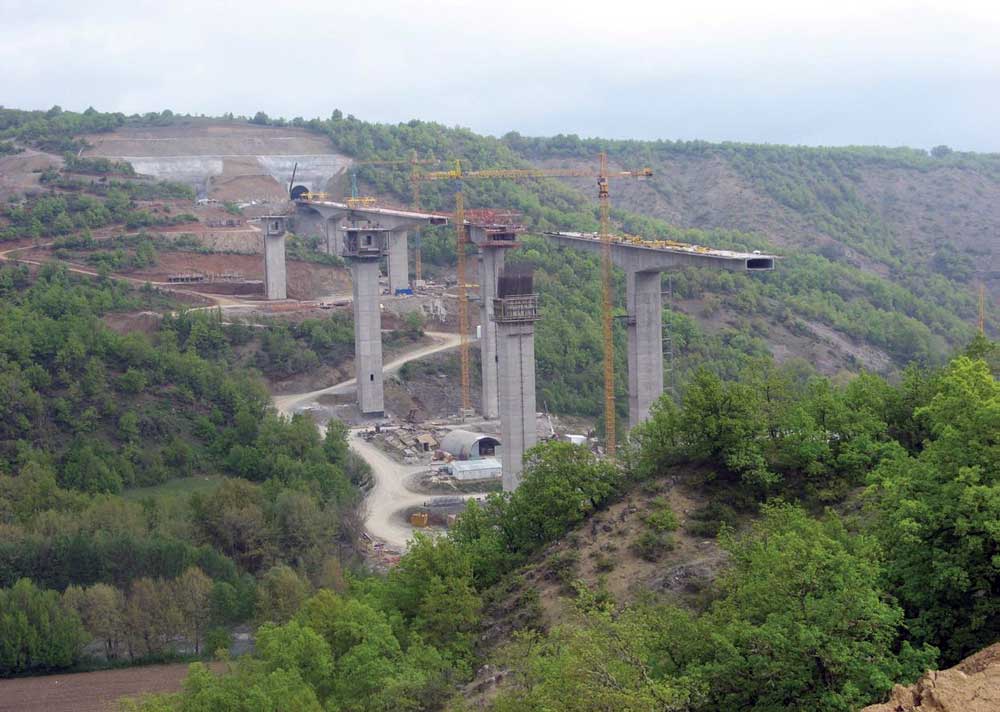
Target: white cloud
{"x": 882, "y": 71}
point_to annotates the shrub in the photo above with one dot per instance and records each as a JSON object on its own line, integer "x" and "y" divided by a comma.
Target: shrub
{"x": 662, "y": 518}
{"x": 652, "y": 545}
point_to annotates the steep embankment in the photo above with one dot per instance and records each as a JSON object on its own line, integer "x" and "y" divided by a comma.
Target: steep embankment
{"x": 971, "y": 686}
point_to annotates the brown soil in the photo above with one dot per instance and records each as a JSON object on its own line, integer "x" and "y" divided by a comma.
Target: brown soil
{"x": 19, "y": 173}
{"x": 971, "y": 686}
{"x": 242, "y": 179}
{"x": 306, "y": 280}
{"x": 433, "y": 388}
{"x": 90, "y": 691}
{"x": 607, "y": 539}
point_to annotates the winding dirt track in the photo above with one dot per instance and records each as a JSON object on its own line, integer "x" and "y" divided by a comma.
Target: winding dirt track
{"x": 390, "y": 493}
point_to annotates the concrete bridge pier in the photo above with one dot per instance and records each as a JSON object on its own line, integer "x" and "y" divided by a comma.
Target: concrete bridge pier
{"x": 361, "y": 235}
{"x": 491, "y": 262}
{"x": 514, "y": 314}
{"x": 645, "y": 343}
{"x": 493, "y": 234}
{"x": 275, "y": 275}
{"x": 398, "y": 261}
{"x": 364, "y": 249}
{"x": 643, "y": 261}
{"x": 334, "y": 238}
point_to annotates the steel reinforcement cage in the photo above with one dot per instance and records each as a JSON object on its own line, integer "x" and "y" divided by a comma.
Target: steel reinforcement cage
{"x": 517, "y": 308}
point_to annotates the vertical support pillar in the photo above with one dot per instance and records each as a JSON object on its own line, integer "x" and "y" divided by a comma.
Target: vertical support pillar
{"x": 275, "y": 276}
{"x": 367, "y": 335}
{"x": 518, "y": 430}
{"x": 490, "y": 263}
{"x": 645, "y": 344}
{"x": 334, "y": 238}
{"x": 398, "y": 262}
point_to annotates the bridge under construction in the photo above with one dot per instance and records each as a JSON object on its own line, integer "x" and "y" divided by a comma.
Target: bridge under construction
{"x": 363, "y": 233}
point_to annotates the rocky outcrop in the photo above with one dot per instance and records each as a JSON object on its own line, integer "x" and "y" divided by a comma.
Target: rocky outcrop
{"x": 971, "y": 686}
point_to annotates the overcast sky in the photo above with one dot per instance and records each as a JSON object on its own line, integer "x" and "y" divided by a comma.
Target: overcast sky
{"x": 831, "y": 72}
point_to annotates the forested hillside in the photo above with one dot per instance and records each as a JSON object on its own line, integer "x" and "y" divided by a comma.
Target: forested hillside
{"x": 882, "y": 247}
{"x": 822, "y": 612}
{"x": 90, "y": 414}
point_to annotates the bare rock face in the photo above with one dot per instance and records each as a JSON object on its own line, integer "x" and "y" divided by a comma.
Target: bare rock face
{"x": 971, "y": 686}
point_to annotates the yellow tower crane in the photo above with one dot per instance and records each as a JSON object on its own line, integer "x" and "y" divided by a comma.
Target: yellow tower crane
{"x": 607, "y": 296}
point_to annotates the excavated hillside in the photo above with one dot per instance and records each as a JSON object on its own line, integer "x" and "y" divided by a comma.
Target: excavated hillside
{"x": 971, "y": 686}
{"x": 226, "y": 160}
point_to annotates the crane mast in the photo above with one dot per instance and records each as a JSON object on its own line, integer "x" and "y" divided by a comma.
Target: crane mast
{"x": 607, "y": 309}
{"x": 463, "y": 302}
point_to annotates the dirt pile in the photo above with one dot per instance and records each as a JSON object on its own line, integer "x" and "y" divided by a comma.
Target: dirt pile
{"x": 971, "y": 686}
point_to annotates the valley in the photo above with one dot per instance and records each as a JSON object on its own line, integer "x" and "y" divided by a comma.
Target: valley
{"x": 186, "y": 472}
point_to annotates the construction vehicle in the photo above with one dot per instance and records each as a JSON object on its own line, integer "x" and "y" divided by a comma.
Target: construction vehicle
{"x": 461, "y": 239}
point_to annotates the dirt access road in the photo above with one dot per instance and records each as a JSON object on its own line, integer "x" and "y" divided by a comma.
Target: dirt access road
{"x": 390, "y": 493}
{"x": 218, "y": 300}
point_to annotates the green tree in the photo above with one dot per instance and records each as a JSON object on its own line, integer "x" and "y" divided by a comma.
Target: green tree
{"x": 596, "y": 662}
{"x": 191, "y": 593}
{"x": 562, "y": 484}
{"x": 432, "y": 586}
{"x": 280, "y": 594}
{"x": 725, "y": 424}
{"x": 294, "y": 647}
{"x": 37, "y": 634}
{"x": 101, "y": 609}
{"x": 939, "y": 515}
{"x": 802, "y": 622}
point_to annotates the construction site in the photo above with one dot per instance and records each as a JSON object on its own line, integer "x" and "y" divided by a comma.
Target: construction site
{"x": 470, "y": 451}
{"x": 278, "y": 230}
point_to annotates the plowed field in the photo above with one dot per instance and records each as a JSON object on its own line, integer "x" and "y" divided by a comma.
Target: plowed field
{"x": 90, "y": 691}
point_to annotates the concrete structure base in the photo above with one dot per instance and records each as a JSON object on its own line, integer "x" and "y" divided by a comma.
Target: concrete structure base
{"x": 275, "y": 277}
{"x": 398, "y": 264}
{"x": 490, "y": 264}
{"x": 645, "y": 344}
{"x": 516, "y": 358}
{"x": 368, "y": 336}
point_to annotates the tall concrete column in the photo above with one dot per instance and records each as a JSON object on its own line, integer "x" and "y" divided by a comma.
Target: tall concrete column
{"x": 334, "y": 238}
{"x": 367, "y": 335}
{"x": 398, "y": 262}
{"x": 275, "y": 276}
{"x": 515, "y": 316}
{"x": 518, "y": 430}
{"x": 490, "y": 263}
{"x": 645, "y": 344}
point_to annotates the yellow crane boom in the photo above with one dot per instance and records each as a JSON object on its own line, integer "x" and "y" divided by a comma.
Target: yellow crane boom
{"x": 607, "y": 296}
